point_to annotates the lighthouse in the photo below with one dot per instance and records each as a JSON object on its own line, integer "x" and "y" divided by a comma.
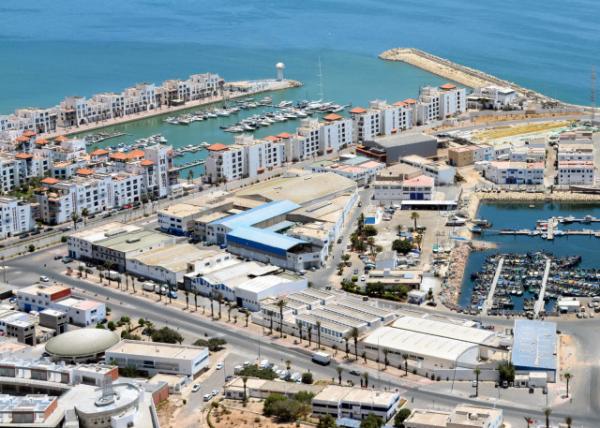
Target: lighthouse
{"x": 280, "y": 66}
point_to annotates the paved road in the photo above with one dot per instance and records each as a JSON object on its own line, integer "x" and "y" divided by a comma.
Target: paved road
{"x": 23, "y": 271}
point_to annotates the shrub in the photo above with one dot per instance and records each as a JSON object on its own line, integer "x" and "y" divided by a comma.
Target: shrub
{"x": 307, "y": 378}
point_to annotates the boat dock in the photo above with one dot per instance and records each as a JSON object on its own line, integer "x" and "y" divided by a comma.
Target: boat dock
{"x": 550, "y": 229}
{"x": 188, "y": 165}
{"x": 490, "y": 297}
{"x": 540, "y": 302}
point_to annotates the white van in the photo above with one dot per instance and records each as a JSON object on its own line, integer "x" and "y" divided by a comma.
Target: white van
{"x": 148, "y": 286}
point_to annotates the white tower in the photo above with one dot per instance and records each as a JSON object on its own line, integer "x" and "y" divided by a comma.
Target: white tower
{"x": 280, "y": 66}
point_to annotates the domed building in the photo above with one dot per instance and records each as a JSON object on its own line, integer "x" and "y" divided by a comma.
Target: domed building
{"x": 79, "y": 346}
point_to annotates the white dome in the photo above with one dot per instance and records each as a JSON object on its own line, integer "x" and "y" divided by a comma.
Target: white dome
{"x": 280, "y": 65}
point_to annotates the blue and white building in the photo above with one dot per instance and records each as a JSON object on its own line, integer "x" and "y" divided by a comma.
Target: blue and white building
{"x": 257, "y": 234}
{"x": 535, "y": 348}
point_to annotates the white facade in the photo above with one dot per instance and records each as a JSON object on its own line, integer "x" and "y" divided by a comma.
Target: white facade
{"x": 334, "y": 134}
{"x": 381, "y": 119}
{"x": 159, "y": 357}
{"x": 441, "y": 173}
{"x": 355, "y": 403}
{"x": 418, "y": 188}
{"x": 500, "y": 172}
{"x": 575, "y": 173}
{"x": 79, "y": 244}
{"x": 439, "y": 103}
{"x": 15, "y": 217}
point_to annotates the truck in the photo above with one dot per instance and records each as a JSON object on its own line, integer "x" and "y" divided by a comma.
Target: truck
{"x": 148, "y": 286}
{"x": 322, "y": 358}
{"x": 113, "y": 275}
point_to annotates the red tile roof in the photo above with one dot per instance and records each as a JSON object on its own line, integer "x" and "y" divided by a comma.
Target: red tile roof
{"x": 99, "y": 152}
{"x": 50, "y": 180}
{"x": 22, "y": 139}
{"x": 61, "y": 139}
{"x": 146, "y": 162}
{"x": 29, "y": 133}
{"x": 84, "y": 171}
{"x": 284, "y": 135}
{"x": 218, "y": 147}
{"x": 41, "y": 141}
{"x": 400, "y": 104}
{"x": 447, "y": 86}
{"x": 331, "y": 117}
{"x": 271, "y": 138}
{"x": 358, "y": 110}
{"x": 136, "y": 154}
{"x": 410, "y": 101}
{"x": 23, "y": 156}
{"x": 118, "y": 156}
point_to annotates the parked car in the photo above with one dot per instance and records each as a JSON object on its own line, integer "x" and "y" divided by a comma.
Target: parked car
{"x": 67, "y": 259}
{"x": 219, "y": 365}
{"x": 208, "y": 397}
{"x": 44, "y": 278}
{"x": 196, "y": 387}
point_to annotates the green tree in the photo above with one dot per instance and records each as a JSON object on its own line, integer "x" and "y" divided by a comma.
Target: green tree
{"x": 414, "y": 217}
{"x": 166, "y": 335}
{"x": 75, "y": 218}
{"x": 477, "y": 372}
{"x": 281, "y": 304}
{"x": 244, "y": 381}
{"x": 355, "y": 335}
{"x": 309, "y": 335}
{"x": 547, "y": 413}
{"x": 405, "y": 358}
{"x": 568, "y": 421}
{"x": 365, "y": 377}
{"x": 326, "y": 421}
{"x": 567, "y": 377}
{"x": 111, "y": 326}
{"x": 400, "y": 417}
{"x": 369, "y": 231}
{"x": 307, "y": 378}
{"x": 506, "y": 371}
{"x": 339, "y": 371}
{"x": 371, "y": 421}
{"x": 402, "y": 246}
{"x": 318, "y": 324}
{"x": 85, "y": 214}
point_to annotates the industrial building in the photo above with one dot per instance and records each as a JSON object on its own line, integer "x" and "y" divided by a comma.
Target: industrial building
{"x": 435, "y": 343}
{"x": 462, "y": 416}
{"x": 331, "y": 315}
{"x": 391, "y": 148}
{"x": 169, "y": 264}
{"x": 442, "y": 174}
{"x": 355, "y": 403}
{"x": 153, "y": 357}
{"x": 79, "y": 244}
{"x": 178, "y": 219}
{"x": 245, "y": 283}
{"x": 535, "y": 348}
{"x": 357, "y": 168}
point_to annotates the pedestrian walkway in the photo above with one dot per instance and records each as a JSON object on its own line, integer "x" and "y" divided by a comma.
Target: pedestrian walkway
{"x": 490, "y": 298}
{"x": 539, "y": 304}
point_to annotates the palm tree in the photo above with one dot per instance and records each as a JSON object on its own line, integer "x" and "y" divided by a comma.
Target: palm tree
{"x": 190, "y": 176}
{"x": 288, "y": 365}
{"x": 74, "y": 217}
{"x": 319, "y": 335}
{"x": 385, "y": 358}
{"x": 270, "y": 322}
{"x": 212, "y": 308}
{"x": 371, "y": 244}
{"x": 309, "y": 335}
{"x": 529, "y": 421}
{"x": 346, "y": 343}
{"x": 195, "y": 299}
{"x": 405, "y": 357}
{"x": 567, "y": 377}
{"x": 220, "y": 301}
{"x": 85, "y": 214}
{"x": 477, "y": 372}
{"x": 366, "y": 378}
{"x": 281, "y": 304}
{"x": 247, "y": 314}
{"x": 230, "y": 306}
{"x": 244, "y": 380}
{"x": 354, "y": 335}
{"x": 300, "y": 331}
{"x": 80, "y": 269}
{"x": 364, "y": 356}
{"x": 569, "y": 421}
{"x": 361, "y": 223}
{"x": 547, "y": 413}
{"x": 414, "y": 217}
{"x": 187, "y": 297}
{"x": 339, "y": 373}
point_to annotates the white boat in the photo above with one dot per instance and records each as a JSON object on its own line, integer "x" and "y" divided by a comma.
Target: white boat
{"x": 284, "y": 104}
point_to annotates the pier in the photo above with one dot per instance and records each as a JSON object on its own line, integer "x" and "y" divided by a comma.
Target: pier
{"x": 188, "y": 165}
{"x": 549, "y": 229}
{"x": 539, "y": 304}
{"x": 490, "y": 298}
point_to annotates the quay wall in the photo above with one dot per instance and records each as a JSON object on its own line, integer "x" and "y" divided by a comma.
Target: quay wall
{"x": 459, "y": 73}
{"x": 165, "y": 110}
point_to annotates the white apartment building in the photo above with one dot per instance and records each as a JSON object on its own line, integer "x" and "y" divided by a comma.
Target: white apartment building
{"x": 153, "y": 357}
{"x": 575, "y": 152}
{"x": 439, "y": 103}
{"x": 37, "y": 119}
{"x": 196, "y": 87}
{"x": 418, "y": 188}
{"x": 575, "y": 172}
{"x": 306, "y": 144}
{"x": 334, "y": 134}
{"x": 15, "y": 217}
{"x": 440, "y": 172}
{"x": 58, "y": 200}
{"x": 140, "y": 98}
{"x": 9, "y": 173}
{"x": 503, "y": 172}
{"x": 493, "y": 97}
{"x": 124, "y": 189}
{"x": 247, "y": 157}
{"x": 463, "y": 416}
{"x": 381, "y": 119}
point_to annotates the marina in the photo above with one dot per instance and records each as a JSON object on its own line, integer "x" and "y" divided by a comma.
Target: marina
{"x": 535, "y": 272}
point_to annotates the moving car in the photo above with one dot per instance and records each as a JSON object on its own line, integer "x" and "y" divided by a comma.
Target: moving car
{"x": 196, "y": 387}
{"x": 219, "y": 365}
{"x": 44, "y": 278}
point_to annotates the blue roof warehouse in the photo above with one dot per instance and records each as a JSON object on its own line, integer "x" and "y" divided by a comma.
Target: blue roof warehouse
{"x": 535, "y": 347}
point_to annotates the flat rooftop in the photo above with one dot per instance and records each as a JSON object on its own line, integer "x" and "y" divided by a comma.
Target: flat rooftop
{"x": 154, "y": 349}
{"x": 300, "y": 189}
{"x": 429, "y": 418}
{"x": 135, "y": 240}
{"x": 174, "y": 258}
{"x": 443, "y": 329}
{"x": 181, "y": 210}
{"x": 534, "y": 344}
{"x": 403, "y": 139}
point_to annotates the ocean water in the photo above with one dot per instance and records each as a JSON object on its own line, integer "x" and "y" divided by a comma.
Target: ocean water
{"x": 522, "y": 216}
{"x": 53, "y": 48}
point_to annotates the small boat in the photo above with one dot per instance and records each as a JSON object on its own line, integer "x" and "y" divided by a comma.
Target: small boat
{"x": 284, "y": 104}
